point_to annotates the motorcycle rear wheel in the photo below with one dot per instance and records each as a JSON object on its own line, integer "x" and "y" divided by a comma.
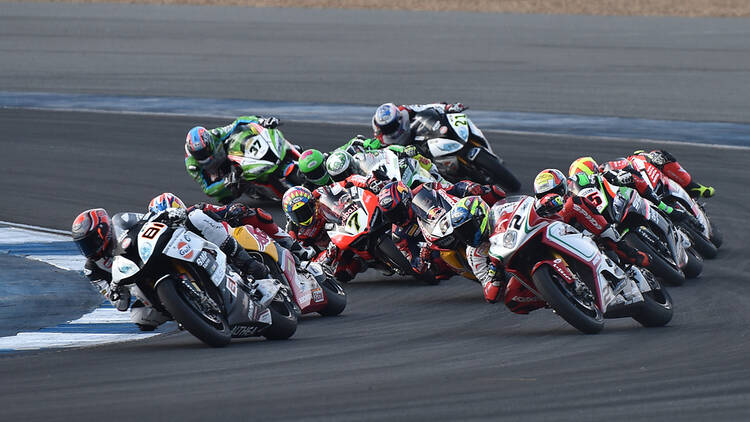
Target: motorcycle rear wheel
{"x": 588, "y": 319}
{"x": 657, "y": 309}
{"x": 702, "y": 245}
{"x": 179, "y": 304}
{"x": 498, "y": 173}
{"x": 283, "y": 320}
{"x": 336, "y": 298}
{"x": 658, "y": 266}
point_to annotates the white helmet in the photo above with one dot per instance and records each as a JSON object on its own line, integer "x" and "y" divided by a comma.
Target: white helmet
{"x": 392, "y": 124}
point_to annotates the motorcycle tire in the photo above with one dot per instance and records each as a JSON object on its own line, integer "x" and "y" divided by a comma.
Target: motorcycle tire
{"x": 701, "y": 245}
{"x": 429, "y": 278}
{"x": 694, "y": 266}
{"x": 190, "y": 318}
{"x": 283, "y": 320}
{"x": 392, "y": 255}
{"x": 497, "y": 172}
{"x": 717, "y": 237}
{"x": 656, "y": 310}
{"x": 335, "y": 296}
{"x": 555, "y": 292}
{"x": 658, "y": 266}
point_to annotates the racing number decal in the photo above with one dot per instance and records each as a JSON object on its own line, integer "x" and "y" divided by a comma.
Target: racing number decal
{"x": 460, "y": 120}
{"x": 353, "y": 222}
{"x": 515, "y": 222}
{"x": 152, "y": 231}
{"x": 595, "y": 198}
{"x": 254, "y": 147}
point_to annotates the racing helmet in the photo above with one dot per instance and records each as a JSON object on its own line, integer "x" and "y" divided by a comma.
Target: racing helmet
{"x": 339, "y": 165}
{"x": 391, "y": 123}
{"x": 312, "y": 166}
{"x": 299, "y": 206}
{"x": 585, "y": 165}
{"x": 205, "y": 148}
{"x": 92, "y": 232}
{"x": 550, "y": 181}
{"x": 470, "y": 220}
{"x": 164, "y": 201}
{"x": 395, "y": 202}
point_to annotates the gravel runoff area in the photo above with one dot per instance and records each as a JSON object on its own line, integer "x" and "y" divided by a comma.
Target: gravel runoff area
{"x": 691, "y": 8}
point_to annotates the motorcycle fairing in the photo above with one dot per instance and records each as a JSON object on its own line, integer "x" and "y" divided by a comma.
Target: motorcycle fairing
{"x": 187, "y": 246}
{"x": 459, "y": 123}
{"x": 440, "y": 147}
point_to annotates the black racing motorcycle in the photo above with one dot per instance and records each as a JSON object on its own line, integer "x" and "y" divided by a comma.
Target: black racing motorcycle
{"x": 459, "y": 149}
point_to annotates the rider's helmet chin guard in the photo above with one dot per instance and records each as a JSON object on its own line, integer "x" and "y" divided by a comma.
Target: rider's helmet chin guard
{"x": 299, "y": 206}
{"x": 312, "y": 166}
{"x": 201, "y": 145}
{"x": 585, "y": 165}
{"x": 391, "y": 123}
{"x": 92, "y": 233}
{"x": 395, "y": 202}
{"x": 339, "y": 165}
{"x": 165, "y": 201}
{"x": 550, "y": 181}
{"x": 470, "y": 220}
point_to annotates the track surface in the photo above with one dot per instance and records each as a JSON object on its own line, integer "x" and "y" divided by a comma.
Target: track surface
{"x": 401, "y": 350}
{"x": 661, "y": 68}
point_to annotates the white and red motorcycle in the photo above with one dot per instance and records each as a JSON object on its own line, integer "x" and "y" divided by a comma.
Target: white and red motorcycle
{"x": 554, "y": 265}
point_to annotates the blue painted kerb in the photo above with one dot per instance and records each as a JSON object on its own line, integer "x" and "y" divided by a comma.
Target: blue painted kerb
{"x": 575, "y": 125}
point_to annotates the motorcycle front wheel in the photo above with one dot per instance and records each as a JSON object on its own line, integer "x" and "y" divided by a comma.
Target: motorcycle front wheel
{"x": 582, "y": 313}
{"x": 656, "y": 310}
{"x": 658, "y": 266}
{"x": 185, "y": 304}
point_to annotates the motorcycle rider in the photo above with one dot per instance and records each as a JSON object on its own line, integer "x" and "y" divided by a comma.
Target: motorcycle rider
{"x": 395, "y": 201}
{"x": 666, "y": 162}
{"x": 472, "y": 227}
{"x": 622, "y": 173}
{"x": 579, "y": 211}
{"x": 206, "y": 156}
{"x": 238, "y": 214}
{"x": 93, "y": 233}
{"x": 312, "y": 167}
{"x": 306, "y": 224}
{"x": 391, "y": 124}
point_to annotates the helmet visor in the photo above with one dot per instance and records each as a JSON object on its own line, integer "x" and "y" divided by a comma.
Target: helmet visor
{"x": 92, "y": 243}
{"x": 303, "y": 215}
{"x": 468, "y": 233}
{"x": 318, "y": 175}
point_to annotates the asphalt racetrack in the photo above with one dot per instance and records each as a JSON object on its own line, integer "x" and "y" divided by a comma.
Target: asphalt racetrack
{"x": 401, "y": 350}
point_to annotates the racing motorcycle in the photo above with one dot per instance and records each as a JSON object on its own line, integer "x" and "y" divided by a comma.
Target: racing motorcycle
{"x": 356, "y": 223}
{"x": 459, "y": 149}
{"x": 431, "y": 208}
{"x": 645, "y": 228}
{"x": 264, "y": 163}
{"x": 705, "y": 237}
{"x": 311, "y": 288}
{"x": 390, "y": 167}
{"x": 185, "y": 276}
{"x": 553, "y": 264}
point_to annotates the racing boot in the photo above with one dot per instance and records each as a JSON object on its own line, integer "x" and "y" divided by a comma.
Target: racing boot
{"x": 696, "y": 190}
{"x": 242, "y": 261}
{"x": 495, "y": 285}
{"x": 631, "y": 255}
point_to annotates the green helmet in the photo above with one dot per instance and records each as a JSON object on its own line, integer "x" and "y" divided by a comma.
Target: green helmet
{"x": 339, "y": 165}
{"x": 312, "y": 168}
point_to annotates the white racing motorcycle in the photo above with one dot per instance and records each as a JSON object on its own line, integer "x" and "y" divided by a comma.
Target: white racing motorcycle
{"x": 553, "y": 264}
{"x": 185, "y": 276}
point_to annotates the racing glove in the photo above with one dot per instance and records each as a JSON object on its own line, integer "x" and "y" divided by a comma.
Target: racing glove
{"x": 269, "y": 122}
{"x": 454, "y": 108}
